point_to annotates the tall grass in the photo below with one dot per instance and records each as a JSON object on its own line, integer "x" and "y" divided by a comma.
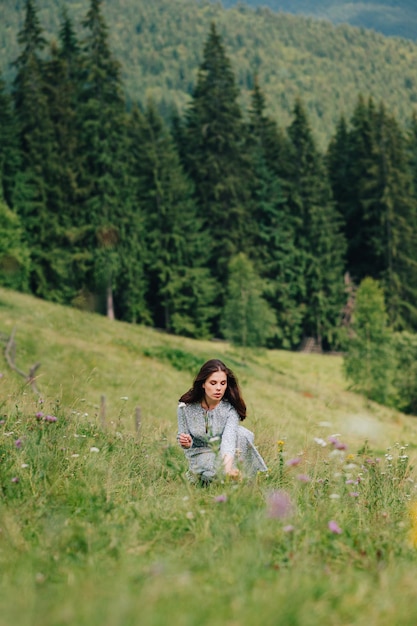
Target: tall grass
{"x": 99, "y": 526}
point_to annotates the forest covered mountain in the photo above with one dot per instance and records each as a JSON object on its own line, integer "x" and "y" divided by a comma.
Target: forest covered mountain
{"x": 389, "y": 17}
{"x": 159, "y": 47}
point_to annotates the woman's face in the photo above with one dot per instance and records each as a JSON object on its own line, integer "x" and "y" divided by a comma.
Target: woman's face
{"x": 215, "y": 386}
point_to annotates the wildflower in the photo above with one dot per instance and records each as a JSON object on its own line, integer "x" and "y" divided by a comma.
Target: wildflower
{"x": 50, "y": 418}
{"x": 75, "y": 456}
{"x": 293, "y": 462}
{"x": 303, "y": 478}
{"x": 320, "y": 442}
{"x": 39, "y": 415}
{"x": 124, "y": 398}
{"x": 338, "y": 445}
{"x": 18, "y": 443}
{"x": 24, "y": 465}
{"x": 15, "y": 479}
{"x": 334, "y": 527}
{"x": 280, "y": 443}
{"x": 279, "y": 504}
{"x": 93, "y": 449}
{"x": 221, "y": 498}
{"x": 189, "y": 515}
{"x": 288, "y": 529}
{"x": 2, "y": 422}
{"x": 334, "y": 496}
{"x": 354, "y": 494}
{"x": 350, "y": 457}
{"x": 351, "y": 482}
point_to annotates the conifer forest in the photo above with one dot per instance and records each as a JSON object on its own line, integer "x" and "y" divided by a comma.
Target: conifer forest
{"x": 210, "y": 220}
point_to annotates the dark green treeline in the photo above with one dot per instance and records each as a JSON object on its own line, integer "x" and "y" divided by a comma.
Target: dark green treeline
{"x": 107, "y": 207}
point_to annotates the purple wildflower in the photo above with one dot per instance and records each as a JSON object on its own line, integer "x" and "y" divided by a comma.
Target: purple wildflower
{"x": 338, "y": 445}
{"x": 2, "y": 422}
{"x": 18, "y": 443}
{"x": 351, "y": 482}
{"x": 50, "y": 418}
{"x": 39, "y": 415}
{"x": 354, "y": 494}
{"x": 15, "y": 479}
{"x": 334, "y": 527}
{"x": 293, "y": 462}
{"x": 221, "y": 498}
{"x": 279, "y": 504}
{"x": 303, "y": 478}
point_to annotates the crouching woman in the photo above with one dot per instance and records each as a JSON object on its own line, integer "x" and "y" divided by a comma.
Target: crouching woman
{"x": 209, "y": 429}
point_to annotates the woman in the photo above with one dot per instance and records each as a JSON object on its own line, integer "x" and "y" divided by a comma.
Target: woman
{"x": 209, "y": 430}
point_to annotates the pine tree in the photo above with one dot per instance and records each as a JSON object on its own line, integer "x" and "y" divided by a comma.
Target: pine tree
{"x": 14, "y": 254}
{"x": 247, "y": 318}
{"x": 216, "y": 160}
{"x": 103, "y": 126}
{"x": 273, "y": 238}
{"x": 318, "y": 238}
{"x": 10, "y": 156}
{"x": 39, "y": 154}
{"x": 181, "y": 290}
{"x": 372, "y": 187}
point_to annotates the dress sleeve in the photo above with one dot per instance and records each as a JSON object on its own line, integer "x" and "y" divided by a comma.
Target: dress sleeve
{"x": 229, "y": 437}
{"x": 182, "y": 421}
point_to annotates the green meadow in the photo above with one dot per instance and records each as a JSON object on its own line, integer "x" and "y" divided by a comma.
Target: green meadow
{"x": 98, "y": 525}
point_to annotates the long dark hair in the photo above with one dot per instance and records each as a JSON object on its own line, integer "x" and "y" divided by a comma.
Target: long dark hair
{"x": 233, "y": 394}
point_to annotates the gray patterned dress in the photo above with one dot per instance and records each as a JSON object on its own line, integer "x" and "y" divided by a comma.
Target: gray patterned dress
{"x": 217, "y": 433}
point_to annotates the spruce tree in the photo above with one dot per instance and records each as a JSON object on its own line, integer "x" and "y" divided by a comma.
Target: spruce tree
{"x": 14, "y": 253}
{"x": 216, "y": 159}
{"x": 372, "y": 187}
{"x": 247, "y": 319}
{"x": 102, "y": 143}
{"x": 273, "y": 246}
{"x": 10, "y": 156}
{"x": 34, "y": 187}
{"x": 319, "y": 238}
{"x": 181, "y": 290}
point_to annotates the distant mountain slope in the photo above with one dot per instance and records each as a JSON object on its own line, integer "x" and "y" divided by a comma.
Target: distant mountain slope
{"x": 159, "y": 45}
{"x": 390, "y": 17}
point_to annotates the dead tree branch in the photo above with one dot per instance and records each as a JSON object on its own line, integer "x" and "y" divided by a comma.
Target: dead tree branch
{"x": 10, "y": 354}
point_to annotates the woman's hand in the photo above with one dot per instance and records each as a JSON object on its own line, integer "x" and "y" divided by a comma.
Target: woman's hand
{"x": 185, "y": 441}
{"x": 234, "y": 474}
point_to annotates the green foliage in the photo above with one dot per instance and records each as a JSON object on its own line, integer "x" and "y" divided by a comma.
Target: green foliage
{"x": 179, "y": 359}
{"x": 405, "y": 374}
{"x": 370, "y": 360}
{"x": 215, "y": 158}
{"x": 318, "y": 234}
{"x": 181, "y": 289}
{"x": 14, "y": 254}
{"x": 372, "y": 186}
{"x": 247, "y": 319}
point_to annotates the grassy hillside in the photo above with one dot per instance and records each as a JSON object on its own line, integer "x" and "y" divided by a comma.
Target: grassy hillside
{"x": 98, "y": 526}
{"x": 84, "y": 356}
{"x": 159, "y": 45}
